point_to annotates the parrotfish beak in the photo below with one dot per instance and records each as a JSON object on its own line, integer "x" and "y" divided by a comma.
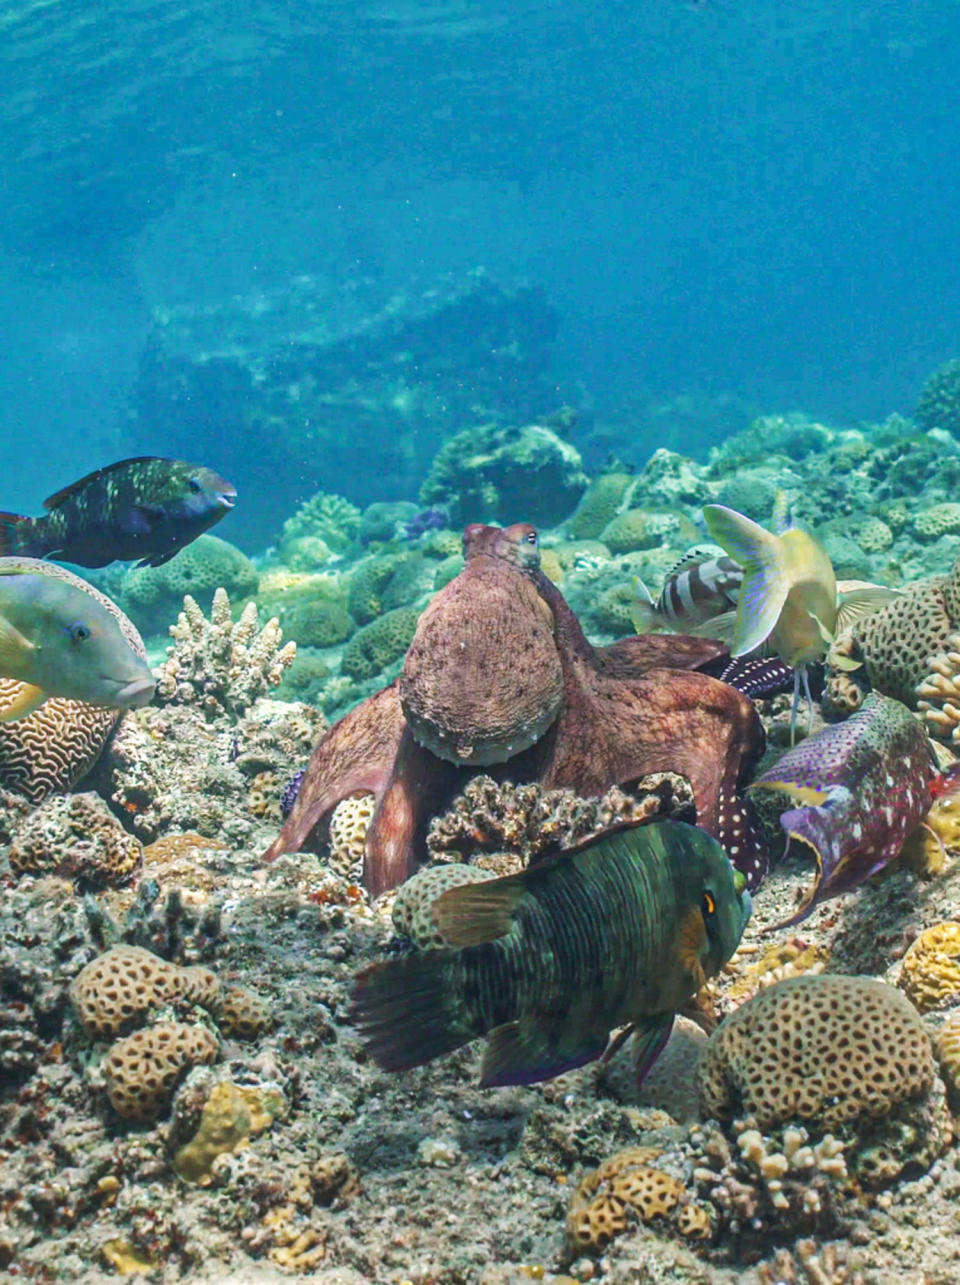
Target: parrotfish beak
{"x": 136, "y": 694}
{"x": 227, "y": 499}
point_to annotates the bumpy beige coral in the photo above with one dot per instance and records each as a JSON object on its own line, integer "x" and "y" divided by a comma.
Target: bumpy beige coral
{"x": 532, "y": 822}
{"x": 822, "y": 1048}
{"x": 948, "y": 1054}
{"x": 219, "y": 664}
{"x": 348, "y": 834}
{"x": 628, "y": 1187}
{"x": 938, "y": 693}
{"x": 116, "y": 990}
{"x": 413, "y": 907}
{"x": 243, "y": 1015}
{"x": 930, "y": 973}
{"x": 142, "y": 1070}
{"x": 76, "y": 837}
{"x": 58, "y": 744}
{"x": 937, "y": 520}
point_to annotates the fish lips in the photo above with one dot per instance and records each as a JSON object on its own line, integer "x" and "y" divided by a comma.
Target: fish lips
{"x": 226, "y": 499}
{"x": 135, "y": 694}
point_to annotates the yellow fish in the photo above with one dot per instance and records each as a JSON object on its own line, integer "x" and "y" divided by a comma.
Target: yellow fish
{"x": 789, "y": 598}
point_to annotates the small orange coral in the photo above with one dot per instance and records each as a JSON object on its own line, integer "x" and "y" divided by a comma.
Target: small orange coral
{"x": 930, "y": 974}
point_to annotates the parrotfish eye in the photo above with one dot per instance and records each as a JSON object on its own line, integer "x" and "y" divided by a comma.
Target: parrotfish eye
{"x": 708, "y": 907}
{"x": 195, "y": 485}
{"x": 79, "y": 632}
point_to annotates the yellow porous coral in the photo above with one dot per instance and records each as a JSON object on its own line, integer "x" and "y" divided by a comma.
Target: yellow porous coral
{"x": 231, "y": 1116}
{"x": 930, "y": 973}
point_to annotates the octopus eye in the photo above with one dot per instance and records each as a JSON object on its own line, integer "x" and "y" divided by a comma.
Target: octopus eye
{"x": 531, "y": 537}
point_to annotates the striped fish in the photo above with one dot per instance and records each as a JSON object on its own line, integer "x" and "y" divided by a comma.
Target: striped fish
{"x": 704, "y": 584}
{"x": 624, "y": 928}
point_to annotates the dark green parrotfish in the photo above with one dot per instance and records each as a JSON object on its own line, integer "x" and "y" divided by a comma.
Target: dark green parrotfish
{"x": 622, "y": 929}
{"x": 146, "y": 508}
{"x": 851, "y": 794}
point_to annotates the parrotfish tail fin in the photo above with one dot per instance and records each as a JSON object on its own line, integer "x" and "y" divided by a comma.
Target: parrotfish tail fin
{"x": 649, "y": 1041}
{"x": 643, "y": 610}
{"x": 757, "y": 676}
{"x": 859, "y": 598}
{"x": 765, "y": 586}
{"x": 780, "y": 517}
{"x": 403, "y": 1011}
{"x": 13, "y": 529}
{"x": 523, "y": 1053}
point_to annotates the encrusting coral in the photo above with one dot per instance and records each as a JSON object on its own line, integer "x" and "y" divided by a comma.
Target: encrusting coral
{"x": 625, "y": 1188}
{"x": 77, "y": 837}
{"x": 930, "y": 972}
{"x": 219, "y": 664}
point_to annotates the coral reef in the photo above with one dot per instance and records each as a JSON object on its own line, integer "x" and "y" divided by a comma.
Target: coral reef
{"x": 153, "y": 595}
{"x": 76, "y": 837}
{"x": 599, "y": 505}
{"x": 930, "y": 972}
{"x": 647, "y": 529}
{"x": 221, "y": 665}
{"x": 939, "y": 402}
{"x": 376, "y": 646}
{"x": 413, "y": 905}
{"x": 329, "y": 518}
{"x": 494, "y": 474}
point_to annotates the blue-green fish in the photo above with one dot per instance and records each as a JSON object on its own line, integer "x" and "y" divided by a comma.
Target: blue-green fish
{"x": 146, "y": 508}
{"x": 59, "y": 641}
{"x": 622, "y": 929}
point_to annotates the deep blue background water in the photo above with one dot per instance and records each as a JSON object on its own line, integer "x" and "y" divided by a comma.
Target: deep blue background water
{"x": 744, "y": 199}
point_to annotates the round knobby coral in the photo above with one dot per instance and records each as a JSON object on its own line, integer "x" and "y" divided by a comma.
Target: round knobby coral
{"x": 599, "y": 505}
{"x": 379, "y": 644}
{"x": 647, "y": 529}
{"x": 153, "y": 595}
{"x": 413, "y": 907}
{"x": 76, "y": 837}
{"x": 939, "y": 404}
{"x": 930, "y": 973}
{"x": 142, "y": 1070}
{"x": 822, "y": 1048}
{"x": 115, "y": 990}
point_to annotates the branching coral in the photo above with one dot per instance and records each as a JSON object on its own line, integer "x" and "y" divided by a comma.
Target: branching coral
{"x": 219, "y": 664}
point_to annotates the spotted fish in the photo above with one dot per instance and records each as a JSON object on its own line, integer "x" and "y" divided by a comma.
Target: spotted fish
{"x": 622, "y": 929}
{"x": 859, "y": 788}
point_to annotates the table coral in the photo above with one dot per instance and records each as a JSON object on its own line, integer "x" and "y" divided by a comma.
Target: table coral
{"x": 930, "y": 972}
{"x": 219, "y": 664}
{"x": 76, "y": 837}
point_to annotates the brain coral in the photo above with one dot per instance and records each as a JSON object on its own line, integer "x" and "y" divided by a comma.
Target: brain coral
{"x": 930, "y": 973}
{"x": 142, "y": 1070}
{"x": 58, "y": 744}
{"x": 349, "y": 823}
{"x": 599, "y": 505}
{"x": 369, "y": 581}
{"x": 820, "y": 1048}
{"x": 413, "y": 907}
{"x": 154, "y": 595}
{"x": 77, "y": 837}
{"x": 115, "y": 990}
{"x": 379, "y": 644}
{"x": 937, "y": 520}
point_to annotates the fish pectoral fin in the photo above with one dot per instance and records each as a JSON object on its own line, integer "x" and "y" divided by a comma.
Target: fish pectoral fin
{"x": 14, "y": 649}
{"x": 859, "y": 598}
{"x": 643, "y": 610}
{"x": 846, "y": 664}
{"x": 140, "y": 519}
{"x": 158, "y": 559}
{"x": 825, "y": 634}
{"x": 476, "y": 913}
{"x": 722, "y": 627}
{"x": 766, "y": 584}
{"x": 27, "y": 699}
{"x": 523, "y": 1052}
{"x": 649, "y": 1041}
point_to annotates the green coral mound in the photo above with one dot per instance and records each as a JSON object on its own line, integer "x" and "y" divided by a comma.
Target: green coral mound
{"x": 599, "y": 505}
{"x": 939, "y": 403}
{"x": 504, "y": 475}
{"x": 330, "y": 518}
{"x": 379, "y": 644}
{"x": 153, "y": 596}
{"x": 369, "y": 581}
{"x": 647, "y": 529}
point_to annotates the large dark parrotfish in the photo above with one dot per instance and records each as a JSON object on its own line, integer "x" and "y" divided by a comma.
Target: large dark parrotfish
{"x": 859, "y": 788}
{"x": 500, "y": 674}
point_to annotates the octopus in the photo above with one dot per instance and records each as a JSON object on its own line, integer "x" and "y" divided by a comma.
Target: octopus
{"x": 501, "y": 676}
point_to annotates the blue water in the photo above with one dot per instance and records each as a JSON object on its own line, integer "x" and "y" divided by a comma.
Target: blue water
{"x": 731, "y": 207}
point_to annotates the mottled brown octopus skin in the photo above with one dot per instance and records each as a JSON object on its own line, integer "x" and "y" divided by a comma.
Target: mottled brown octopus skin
{"x": 623, "y": 713}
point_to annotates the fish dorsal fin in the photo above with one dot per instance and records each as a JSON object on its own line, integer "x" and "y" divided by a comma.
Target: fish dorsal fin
{"x": 693, "y": 557}
{"x": 765, "y": 582}
{"x": 27, "y": 699}
{"x": 475, "y": 913}
{"x": 859, "y": 598}
{"x": 59, "y": 496}
{"x": 780, "y": 518}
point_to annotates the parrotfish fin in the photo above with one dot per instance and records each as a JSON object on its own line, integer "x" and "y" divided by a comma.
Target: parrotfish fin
{"x": 10, "y": 533}
{"x": 780, "y": 518}
{"x": 476, "y": 913}
{"x": 523, "y": 1053}
{"x": 24, "y": 703}
{"x": 140, "y": 519}
{"x": 58, "y": 497}
{"x": 765, "y": 586}
{"x": 826, "y": 636}
{"x": 845, "y": 663}
{"x": 800, "y": 793}
{"x": 158, "y": 559}
{"x": 401, "y": 1010}
{"x": 643, "y": 610}
{"x": 13, "y": 648}
{"x": 649, "y": 1041}
{"x": 859, "y": 598}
